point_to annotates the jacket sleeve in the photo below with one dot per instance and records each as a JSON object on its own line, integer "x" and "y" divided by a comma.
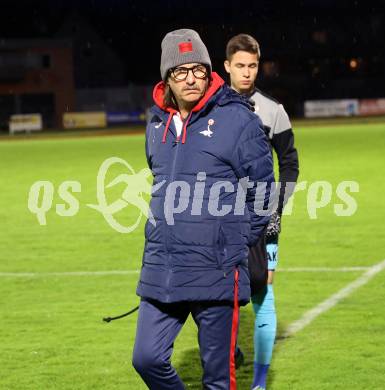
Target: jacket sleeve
{"x": 146, "y": 145}
{"x": 282, "y": 142}
{"x": 252, "y": 159}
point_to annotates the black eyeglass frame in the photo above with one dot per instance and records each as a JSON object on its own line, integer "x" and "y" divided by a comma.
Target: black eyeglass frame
{"x": 194, "y": 69}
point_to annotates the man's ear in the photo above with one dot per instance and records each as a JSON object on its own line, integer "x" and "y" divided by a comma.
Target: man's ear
{"x": 227, "y": 66}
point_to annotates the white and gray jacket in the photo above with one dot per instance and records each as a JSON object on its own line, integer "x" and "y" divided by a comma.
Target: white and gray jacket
{"x": 278, "y": 129}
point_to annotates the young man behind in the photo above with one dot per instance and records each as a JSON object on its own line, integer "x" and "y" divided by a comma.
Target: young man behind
{"x": 243, "y": 55}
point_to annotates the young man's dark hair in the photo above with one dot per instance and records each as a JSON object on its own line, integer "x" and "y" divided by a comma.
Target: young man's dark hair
{"x": 242, "y": 42}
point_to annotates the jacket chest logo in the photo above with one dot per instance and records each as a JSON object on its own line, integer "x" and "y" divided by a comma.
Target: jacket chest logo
{"x": 208, "y": 132}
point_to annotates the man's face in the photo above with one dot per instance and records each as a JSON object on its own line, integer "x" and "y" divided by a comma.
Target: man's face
{"x": 188, "y": 83}
{"x": 243, "y": 69}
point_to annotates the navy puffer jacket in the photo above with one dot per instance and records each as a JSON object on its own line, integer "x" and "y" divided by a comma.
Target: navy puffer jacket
{"x": 192, "y": 254}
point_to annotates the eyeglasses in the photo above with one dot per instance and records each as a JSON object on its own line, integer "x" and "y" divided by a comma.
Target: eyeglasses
{"x": 180, "y": 73}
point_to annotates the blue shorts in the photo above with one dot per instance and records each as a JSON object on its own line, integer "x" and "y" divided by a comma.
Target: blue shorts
{"x": 272, "y": 252}
{"x": 272, "y": 256}
{"x": 263, "y": 257}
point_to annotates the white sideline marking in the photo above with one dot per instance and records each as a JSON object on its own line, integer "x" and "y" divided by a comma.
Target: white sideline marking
{"x": 136, "y": 271}
{"x": 322, "y": 269}
{"x": 332, "y": 301}
{"x": 78, "y": 273}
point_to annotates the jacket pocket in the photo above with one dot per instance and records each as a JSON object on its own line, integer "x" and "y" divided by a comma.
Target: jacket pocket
{"x": 221, "y": 250}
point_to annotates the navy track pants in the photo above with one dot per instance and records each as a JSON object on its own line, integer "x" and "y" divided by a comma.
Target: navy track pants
{"x": 157, "y": 328}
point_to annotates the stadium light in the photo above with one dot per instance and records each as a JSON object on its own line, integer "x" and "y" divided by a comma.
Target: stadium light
{"x": 353, "y": 63}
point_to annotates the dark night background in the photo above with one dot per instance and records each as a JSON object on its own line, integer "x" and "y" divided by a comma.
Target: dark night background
{"x": 311, "y": 49}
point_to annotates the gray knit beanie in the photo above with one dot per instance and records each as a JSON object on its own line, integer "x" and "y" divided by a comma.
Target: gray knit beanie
{"x": 182, "y": 47}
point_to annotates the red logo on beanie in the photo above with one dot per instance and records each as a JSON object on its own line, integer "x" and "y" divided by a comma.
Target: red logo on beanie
{"x": 185, "y": 47}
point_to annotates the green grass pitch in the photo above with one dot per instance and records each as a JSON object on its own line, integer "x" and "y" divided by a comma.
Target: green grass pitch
{"x": 52, "y": 335}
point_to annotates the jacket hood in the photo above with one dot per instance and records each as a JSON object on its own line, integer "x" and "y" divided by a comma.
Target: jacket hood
{"x": 217, "y": 93}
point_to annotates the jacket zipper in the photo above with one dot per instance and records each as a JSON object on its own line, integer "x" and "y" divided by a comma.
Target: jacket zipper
{"x": 172, "y": 177}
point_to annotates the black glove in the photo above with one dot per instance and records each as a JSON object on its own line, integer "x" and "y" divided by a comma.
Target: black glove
{"x": 274, "y": 226}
